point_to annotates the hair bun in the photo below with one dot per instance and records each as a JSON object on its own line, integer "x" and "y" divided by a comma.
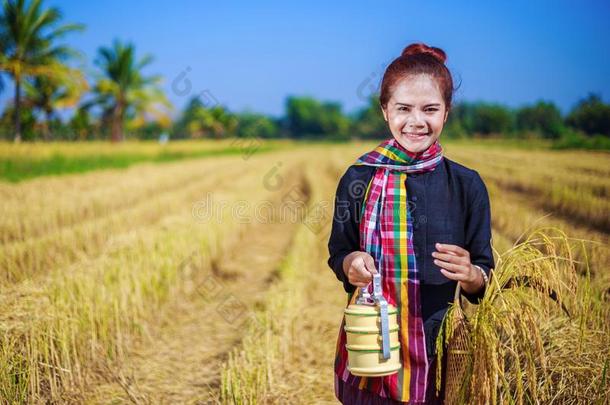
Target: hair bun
{"x": 420, "y": 48}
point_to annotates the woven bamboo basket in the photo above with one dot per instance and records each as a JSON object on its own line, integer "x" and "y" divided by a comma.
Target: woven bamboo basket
{"x": 458, "y": 352}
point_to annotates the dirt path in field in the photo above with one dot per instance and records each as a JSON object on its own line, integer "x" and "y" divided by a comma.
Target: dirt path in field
{"x": 181, "y": 361}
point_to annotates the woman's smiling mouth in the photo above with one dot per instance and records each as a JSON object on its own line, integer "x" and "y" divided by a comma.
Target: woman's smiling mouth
{"x": 412, "y": 135}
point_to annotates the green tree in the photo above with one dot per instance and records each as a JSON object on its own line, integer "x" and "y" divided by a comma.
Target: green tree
{"x": 481, "y": 118}
{"x": 81, "y": 125}
{"x": 307, "y": 116}
{"x": 368, "y": 122}
{"x": 543, "y": 117}
{"x": 492, "y": 118}
{"x": 256, "y": 125}
{"x": 180, "y": 129}
{"x": 198, "y": 121}
{"x": 28, "y": 33}
{"x": 591, "y": 115}
{"x": 215, "y": 122}
{"x": 27, "y": 119}
{"x": 124, "y": 92}
{"x": 48, "y": 95}
{"x": 461, "y": 116}
{"x": 150, "y": 131}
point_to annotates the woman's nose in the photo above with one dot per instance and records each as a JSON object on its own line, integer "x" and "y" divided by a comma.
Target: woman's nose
{"x": 415, "y": 120}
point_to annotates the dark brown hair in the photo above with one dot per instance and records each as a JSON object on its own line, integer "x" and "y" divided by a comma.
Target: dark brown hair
{"x": 416, "y": 59}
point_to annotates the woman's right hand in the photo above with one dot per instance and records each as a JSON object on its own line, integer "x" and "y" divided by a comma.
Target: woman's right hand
{"x": 359, "y": 268}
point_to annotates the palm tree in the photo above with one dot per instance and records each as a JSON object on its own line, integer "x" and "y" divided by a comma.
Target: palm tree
{"x": 27, "y": 36}
{"x": 124, "y": 92}
{"x": 2, "y": 52}
{"x": 48, "y": 95}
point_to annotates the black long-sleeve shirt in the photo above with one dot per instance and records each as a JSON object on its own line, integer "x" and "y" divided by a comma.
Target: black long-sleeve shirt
{"x": 448, "y": 205}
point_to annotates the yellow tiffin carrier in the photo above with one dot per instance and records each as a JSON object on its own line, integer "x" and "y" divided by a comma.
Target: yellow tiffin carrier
{"x": 371, "y": 327}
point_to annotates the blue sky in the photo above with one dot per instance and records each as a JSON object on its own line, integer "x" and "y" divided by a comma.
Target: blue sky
{"x": 252, "y": 55}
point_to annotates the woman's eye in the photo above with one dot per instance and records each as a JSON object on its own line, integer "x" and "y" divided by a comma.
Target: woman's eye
{"x": 431, "y": 110}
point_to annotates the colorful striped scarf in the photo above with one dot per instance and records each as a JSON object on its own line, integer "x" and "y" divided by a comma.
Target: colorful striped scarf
{"x": 386, "y": 233}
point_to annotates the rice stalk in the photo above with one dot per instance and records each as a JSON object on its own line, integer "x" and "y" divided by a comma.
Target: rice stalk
{"x": 533, "y": 338}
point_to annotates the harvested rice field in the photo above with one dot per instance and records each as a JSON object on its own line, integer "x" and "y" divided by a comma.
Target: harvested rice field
{"x": 201, "y": 277}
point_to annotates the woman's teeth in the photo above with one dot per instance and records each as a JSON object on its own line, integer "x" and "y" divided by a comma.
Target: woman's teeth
{"x": 414, "y": 136}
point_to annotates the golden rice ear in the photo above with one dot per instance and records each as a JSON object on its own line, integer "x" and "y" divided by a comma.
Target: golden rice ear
{"x": 532, "y": 338}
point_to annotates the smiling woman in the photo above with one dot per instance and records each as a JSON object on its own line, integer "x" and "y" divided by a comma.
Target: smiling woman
{"x": 416, "y": 95}
{"x": 423, "y": 241}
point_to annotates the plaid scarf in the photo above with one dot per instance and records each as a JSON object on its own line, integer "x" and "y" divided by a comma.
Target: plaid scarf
{"x": 386, "y": 233}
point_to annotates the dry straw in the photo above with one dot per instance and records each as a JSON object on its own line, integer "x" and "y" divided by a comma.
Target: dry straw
{"x": 540, "y": 334}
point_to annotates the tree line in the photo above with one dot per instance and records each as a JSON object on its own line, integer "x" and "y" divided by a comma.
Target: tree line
{"x": 119, "y": 98}
{"x": 121, "y": 101}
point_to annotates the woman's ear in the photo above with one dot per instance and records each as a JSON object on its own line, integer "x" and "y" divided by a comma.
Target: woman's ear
{"x": 385, "y": 115}
{"x": 446, "y": 116}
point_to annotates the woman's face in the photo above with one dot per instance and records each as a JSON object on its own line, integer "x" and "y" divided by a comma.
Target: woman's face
{"x": 416, "y": 112}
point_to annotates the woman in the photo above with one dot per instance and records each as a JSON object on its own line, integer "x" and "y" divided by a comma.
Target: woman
{"x": 419, "y": 218}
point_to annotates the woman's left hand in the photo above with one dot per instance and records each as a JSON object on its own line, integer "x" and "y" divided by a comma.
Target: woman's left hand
{"x": 455, "y": 265}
